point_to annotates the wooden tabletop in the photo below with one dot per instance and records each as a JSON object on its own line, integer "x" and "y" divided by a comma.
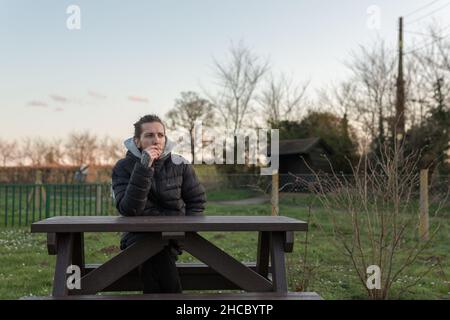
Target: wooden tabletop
{"x": 168, "y": 224}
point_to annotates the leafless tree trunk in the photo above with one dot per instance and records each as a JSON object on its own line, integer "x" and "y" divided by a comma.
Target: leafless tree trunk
{"x": 55, "y": 152}
{"x": 8, "y": 151}
{"x": 373, "y": 73}
{"x": 432, "y": 63}
{"x": 189, "y": 109}
{"x": 81, "y": 148}
{"x": 34, "y": 152}
{"x": 238, "y": 80}
{"x": 109, "y": 150}
{"x": 281, "y": 99}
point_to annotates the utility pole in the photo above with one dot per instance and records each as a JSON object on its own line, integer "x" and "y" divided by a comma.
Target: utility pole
{"x": 399, "y": 127}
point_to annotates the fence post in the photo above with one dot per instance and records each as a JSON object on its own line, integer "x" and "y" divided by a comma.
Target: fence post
{"x": 98, "y": 200}
{"x": 423, "y": 220}
{"x": 275, "y": 187}
{"x": 35, "y": 195}
{"x": 47, "y": 201}
{"x": 42, "y": 191}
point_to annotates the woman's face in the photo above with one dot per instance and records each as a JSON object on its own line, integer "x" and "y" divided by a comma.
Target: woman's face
{"x": 152, "y": 135}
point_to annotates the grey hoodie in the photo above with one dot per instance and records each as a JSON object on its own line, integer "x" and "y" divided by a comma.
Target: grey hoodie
{"x": 132, "y": 147}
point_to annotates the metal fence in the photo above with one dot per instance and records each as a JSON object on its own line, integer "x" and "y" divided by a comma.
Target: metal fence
{"x": 22, "y": 204}
{"x": 295, "y": 183}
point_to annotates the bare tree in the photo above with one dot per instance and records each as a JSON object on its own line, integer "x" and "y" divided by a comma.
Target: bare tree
{"x": 55, "y": 152}
{"x": 373, "y": 215}
{"x": 81, "y": 148}
{"x": 238, "y": 80}
{"x": 39, "y": 152}
{"x": 189, "y": 109}
{"x": 373, "y": 73}
{"x": 33, "y": 152}
{"x": 109, "y": 150}
{"x": 442, "y": 43}
{"x": 281, "y": 99}
{"x": 431, "y": 64}
{"x": 417, "y": 91}
{"x": 342, "y": 98}
{"x": 8, "y": 151}
{"x": 430, "y": 92}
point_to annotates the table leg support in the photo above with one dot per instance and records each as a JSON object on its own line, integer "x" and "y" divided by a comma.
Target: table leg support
{"x": 63, "y": 260}
{"x": 124, "y": 262}
{"x": 263, "y": 254}
{"x": 225, "y": 264}
{"x": 278, "y": 262}
{"x": 78, "y": 251}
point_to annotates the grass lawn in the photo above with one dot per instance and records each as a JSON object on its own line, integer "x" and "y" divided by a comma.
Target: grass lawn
{"x": 26, "y": 268}
{"x": 232, "y": 194}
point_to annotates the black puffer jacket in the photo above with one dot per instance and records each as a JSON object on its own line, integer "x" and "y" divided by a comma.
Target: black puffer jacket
{"x": 167, "y": 189}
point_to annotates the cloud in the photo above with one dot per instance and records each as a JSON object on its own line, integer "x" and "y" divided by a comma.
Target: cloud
{"x": 138, "y": 99}
{"x": 59, "y": 98}
{"x": 96, "y": 95}
{"x": 36, "y": 103}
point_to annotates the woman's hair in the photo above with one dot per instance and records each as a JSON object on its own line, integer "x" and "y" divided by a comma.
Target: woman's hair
{"x": 145, "y": 119}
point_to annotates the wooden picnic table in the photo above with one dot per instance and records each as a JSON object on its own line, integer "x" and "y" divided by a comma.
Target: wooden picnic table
{"x": 219, "y": 270}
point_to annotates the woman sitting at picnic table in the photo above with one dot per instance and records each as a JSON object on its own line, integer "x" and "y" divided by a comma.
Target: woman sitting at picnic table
{"x": 151, "y": 181}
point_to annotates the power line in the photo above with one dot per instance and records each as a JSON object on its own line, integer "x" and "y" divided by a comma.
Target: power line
{"x": 427, "y": 45}
{"x": 417, "y": 33}
{"x": 428, "y": 14}
{"x": 426, "y": 34}
{"x": 421, "y": 8}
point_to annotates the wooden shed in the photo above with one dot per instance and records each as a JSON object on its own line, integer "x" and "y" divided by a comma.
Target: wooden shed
{"x": 311, "y": 149}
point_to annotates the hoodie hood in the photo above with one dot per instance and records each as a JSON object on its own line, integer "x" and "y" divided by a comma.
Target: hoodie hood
{"x": 132, "y": 147}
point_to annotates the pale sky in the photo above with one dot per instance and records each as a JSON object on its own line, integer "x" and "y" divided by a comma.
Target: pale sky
{"x": 131, "y": 58}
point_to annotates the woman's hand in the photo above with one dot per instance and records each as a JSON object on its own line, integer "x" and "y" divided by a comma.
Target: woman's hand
{"x": 154, "y": 152}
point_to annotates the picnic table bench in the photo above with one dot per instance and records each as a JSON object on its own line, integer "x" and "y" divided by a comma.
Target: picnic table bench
{"x": 264, "y": 279}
